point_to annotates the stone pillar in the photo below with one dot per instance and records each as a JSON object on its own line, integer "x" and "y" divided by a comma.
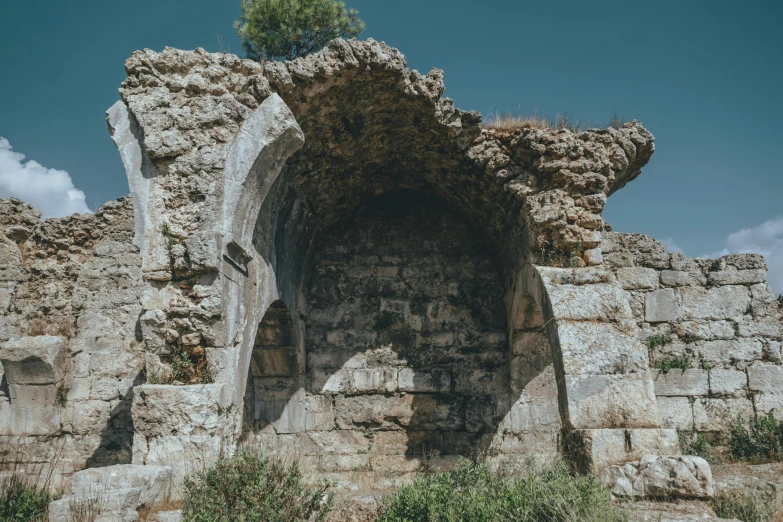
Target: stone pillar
{"x": 605, "y": 387}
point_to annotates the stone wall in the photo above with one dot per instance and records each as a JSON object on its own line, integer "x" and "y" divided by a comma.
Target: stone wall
{"x": 715, "y": 317}
{"x": 69, "y": 344}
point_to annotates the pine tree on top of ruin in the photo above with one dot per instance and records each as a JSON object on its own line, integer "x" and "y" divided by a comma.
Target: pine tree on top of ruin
{"x": 288, "y": 29}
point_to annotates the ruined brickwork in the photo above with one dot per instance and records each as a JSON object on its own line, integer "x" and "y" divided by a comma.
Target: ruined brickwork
{"x": 71, "y": 353}
{"x": 717, "y": 318}
{"x": 360, "y": 275}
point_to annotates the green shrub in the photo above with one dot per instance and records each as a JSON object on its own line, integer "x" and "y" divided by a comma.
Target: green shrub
{"x": 23, "y": 499}
{"x": 668, "y": 364}
{"x": 288, "y": 29}
{"x": 761, "y": 440}
{"x": 655, "y": 341}
{"x": 251, "y": 488}
{"x": 747, "y": 506}
{"x": 694, "y": 445}
{"x": 471, "y": 493}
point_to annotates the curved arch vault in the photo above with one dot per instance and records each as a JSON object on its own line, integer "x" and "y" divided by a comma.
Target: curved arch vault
{"x": 373, "y": 278}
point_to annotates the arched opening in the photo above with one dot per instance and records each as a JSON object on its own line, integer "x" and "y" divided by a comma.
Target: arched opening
{"x": 273, "y": 369}
{"x": 413, "y": 354}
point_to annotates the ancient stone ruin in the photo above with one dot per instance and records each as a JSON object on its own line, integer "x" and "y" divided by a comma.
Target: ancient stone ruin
{"x": 326, "y": 258}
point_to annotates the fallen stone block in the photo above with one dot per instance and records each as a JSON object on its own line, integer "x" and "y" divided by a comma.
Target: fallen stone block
{"x": 661, "y": 477}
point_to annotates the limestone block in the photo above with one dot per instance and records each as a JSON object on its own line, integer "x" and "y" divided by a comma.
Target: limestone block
{"x": 153, "y": 481}
{"x": 766, "y": 402}
{"x": 718, "y": 414}
{"x": 286, "y": 415}
{"x": 203, "y": 252}
{"x": 766, "y": 378}
{"x": 471, "y": 381}
{"x": 34, "y": 360}
{"x": 724, "y": 352}
{"x": 320, "y": 413}
{"x": 737, "y": 277}
{"x": 185, "y": 454}
{"x": 721, "y": 302}
{"x": 595, "y": 450}
{"x": 741, "y": 262}
{"x": 374, "y": 379}
{"x": 728, "y": 383}
{"x": 85, "y": 417}
{"x": 659, "y": 476}
{"x": 339, "y": 442}
{"x": 675, "y": 413}
{"x": 31, "y": 421}
{"x": 598, "y": 348}
{"x": 765, "y": 327}
{"x": 676, "y": 278}
{"x": 593, "y": 256}
{"x": 410, "y": 380}
{"x": 681, "y": 383}
{"x": 638, "y": 278}
{"x": 618, "y": 259}
{"x": 603, "y": 302}
{"x": 661, "y": 306}
{"x": 160, "y": 410}
{"x": 117, "y": 505}
{"x": 413, "y": 411}
{"x": 596, "y": 401}
{"x": 772, "y": 351}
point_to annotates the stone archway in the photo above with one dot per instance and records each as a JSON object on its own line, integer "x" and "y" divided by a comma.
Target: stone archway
{"x": 243, "y": 209}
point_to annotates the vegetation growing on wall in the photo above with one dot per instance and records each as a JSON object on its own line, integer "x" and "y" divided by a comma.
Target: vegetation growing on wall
{"x": 288, "y": 29}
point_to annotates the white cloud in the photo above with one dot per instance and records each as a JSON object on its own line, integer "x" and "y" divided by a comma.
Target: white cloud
{"x": 49, "y": 190}
{"x": 671, "y": 245}
{"x": 765, "y": 239}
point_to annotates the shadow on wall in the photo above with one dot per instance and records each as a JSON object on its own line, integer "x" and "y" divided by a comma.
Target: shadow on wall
{"x": 116, "y": 445}
{"x": 407, "y": 346}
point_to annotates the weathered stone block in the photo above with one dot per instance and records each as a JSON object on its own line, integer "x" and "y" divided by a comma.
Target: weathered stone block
{"x": 737, "y": 277}
{"x": 589, "y": 302}
{"x": 675, "y": 412}
{"x": 638, "y": 278}
{"x": 766, "y": 378}
{"x": 622, "y": 401}
{"x": 34, "y": 360}
{"x": 722, "y": 302}
{"x": 718, "y": 414}
{"x": 600, "y": 348}
{"x": 661, "y": 306}
{"x": 681, "y": 383}
{"x": 438, "y": 380}
{"x": 676, "y": 278}
{"x": 656, "y": 476}
{"x": 764, "y": 327}
{"x": 595, "y": 450}
{"x": 724, "y": 352}
{"x": 728, "y": 383}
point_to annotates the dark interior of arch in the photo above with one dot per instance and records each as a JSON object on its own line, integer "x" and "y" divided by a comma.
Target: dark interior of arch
{"x": 401, "y": 308}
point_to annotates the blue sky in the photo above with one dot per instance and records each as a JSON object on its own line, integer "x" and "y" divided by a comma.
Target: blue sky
{"x": 704, "y": 76}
